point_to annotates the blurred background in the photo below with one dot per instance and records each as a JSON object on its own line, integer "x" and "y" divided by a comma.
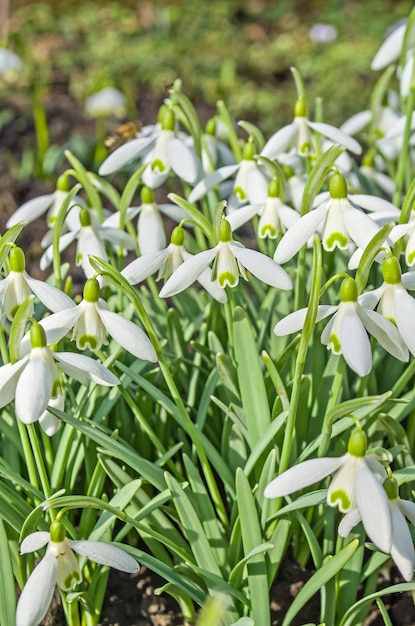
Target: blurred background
{"x": 236, "y": 50}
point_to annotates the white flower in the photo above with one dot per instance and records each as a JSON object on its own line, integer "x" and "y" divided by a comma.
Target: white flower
{"x": 298, "y": 136}
{"x": 107, "y": 101}
{"x": 91, "y": 237}
{"x": 230, "y": 261}
{"x": 60, "y": 567}
{"x": 335, "y": 219}
{"x": 91, "y": 320}
{"x": 10, "y": 65}
{"x": 393, "y": 300}
{"x": 355, "y": 485}
{"x": 408, "y": 232}
{"x": 51, "y": 202}
{"x": 18, "y": 286}
{"x": 250, "y": 183}
{"x": 402, "y": 548}
{"x": 166, "y": 262}
{"x": 275, "y": 217}
{"x": 346, "y": 332}
{"x": 34, "y": 379}
{"x": 323, "y": 33}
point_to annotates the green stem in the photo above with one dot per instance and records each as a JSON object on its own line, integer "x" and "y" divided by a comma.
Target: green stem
{"x": 28, "y": 454}
{"x": 37, "y": 454}
{"x": 404, "y": 153}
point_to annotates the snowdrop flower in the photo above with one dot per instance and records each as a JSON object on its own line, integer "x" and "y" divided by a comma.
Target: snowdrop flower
{"x": 275, "y": 217}
{"x": 336, "y": 219}
{"x": 34, "y": 379}
{"x": 346, "y": 332}
{"x": 107, "y": 101}
{"x": 91, "y": 320}
{"x": 250, "y": 183}
{"x": 298, "y": 136}
{"x": 393, "y": 300}
{"x": 390, "y": 51}
{"x": 355, "y": 485}
{"x": 50, "y": 203}
{"x": 406, "y": 231}
{"x": 231, "y": 259}
{"x": 402, "y": 548}
{"x": 323, "y": 33}
{"x": 169, "y": 153}
{"x": 214, "y": 151}
{"x": 10, "y": 65}
{"x": 166, "y": 262}
{"x": 18, "y": 286}
{"x": 91, "y": 237}
{"x": 60, "y": 567}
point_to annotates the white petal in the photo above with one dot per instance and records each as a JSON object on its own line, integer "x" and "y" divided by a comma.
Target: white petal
{"x": 336, "y": 135}
{"x": 37, "y": 593}
{"x": 263, "y": 267}
{"x": 34, "y": 388}
{"x": 117, "y": 237}
{"x": 64, "y": 241}
{"x": 408, "y": 509}
{"x": 128, "y": 335}
{"x": 385, "y": 333}
{"x": 31, "y": 210}
{"x": 34, "y": 542}
{"x": 49, "y": 423}
{"x": 402, "y": 550}
{"x": 106, "y": 554}
{"x": 9, "y": 376}
{"x": 151, "y": 235}
{"x": 256, "y": 185}
{"x": 374, "y": 508}
{"x": 182, "y": 160}
{"x": 211, "y": 180}
{"x": 408, "y": 280}
{"x": 298, "y": 235}
{"x": 355, "y": 344}
{"x": 243, "y": 215}
{"x": 175, "y": 213}
{"x": 302, "y": 475}
{"x": 390, "y": 49}
{"x": 54, "y": 299}
{"x": 85, "y": 369}
{"x": 374, "y": 203}
{"x": 295, "y": 321}
{"x": 212, "y": 286}
{"x": 279, "y": 141}
{"x": 360, "y": 227}
{"x": 125, "y": 154}
{"x": 357, "y": 122}
{"x": 404, "y": 317}
{"x": 144, "y": 266}
{"x": 187, "y": 273}
{"x": 57, "y": 325}
{"x": 348, "y": 522}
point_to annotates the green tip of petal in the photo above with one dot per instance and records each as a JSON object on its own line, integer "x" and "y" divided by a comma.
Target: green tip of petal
{"x": 273, "y": 189}
{"x": 63, "y": 183}
{"x": 357, "y": 445}
{"x": 92, "y": 290}
{"x": 391, "y": 487}
{"x": 341, "y": 499}
{"x": 158, "y": 166}
{"x": 57, "y": 531}
{"x": 37, "y": 336}
{"x": 391, "y": 270}
{"x": 177, "y": 236}
{"x": 349, "y": 291}
{"x": 85, "y": 217}
{"x": 225, "y": 231}
{"x": 268, "y": 230}
{"x": 227, "y": 278}
{"x": 147, "y": 196}
{"x": 338, "y": 186}
{"x": 336, "y": 239}
{"x": 17, "y": 259}
{"x": 248, "y": 152}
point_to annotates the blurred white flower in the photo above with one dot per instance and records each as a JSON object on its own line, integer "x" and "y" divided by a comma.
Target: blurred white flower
{"x": 106, "y": 102}
{"x": 323, "y": 33}
{"x": 10, "y": 65}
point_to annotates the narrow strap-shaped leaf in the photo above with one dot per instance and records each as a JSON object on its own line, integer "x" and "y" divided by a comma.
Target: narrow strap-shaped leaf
{"x": 7, "y": 588}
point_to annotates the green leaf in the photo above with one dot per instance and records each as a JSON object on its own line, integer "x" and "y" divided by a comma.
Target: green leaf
{"x": 18, "y": 328}
{"x": 369, "y": 254}
{"x": 253, "y": 131}
{"x": 318, "y": 175}
{"x": 7, "y": 587}
{"x": 9, "y": 236}
{"x": 321, "y": 577}
{"x": 349, "y": 617}
{"x": 251, "y": 539}
{"x": 250, "y": 378}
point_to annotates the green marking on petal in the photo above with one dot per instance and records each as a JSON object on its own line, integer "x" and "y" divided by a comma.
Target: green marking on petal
{"x": 411, "y": 257}
{"x": 71, "y": 579}
{"x": 87, "y": 341}
{"x": 56, "y": 388}
{"x": 335, "y": 344}
{"x": 268, "y": 231}
{"x": 336, "y": 239}
{"x": 158, "y": 165}
{"x": 340, "y": 498}
{"x": 240, "y": 193}
{"x": 305, "y": 148}
{"x": 227, "y": 278}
